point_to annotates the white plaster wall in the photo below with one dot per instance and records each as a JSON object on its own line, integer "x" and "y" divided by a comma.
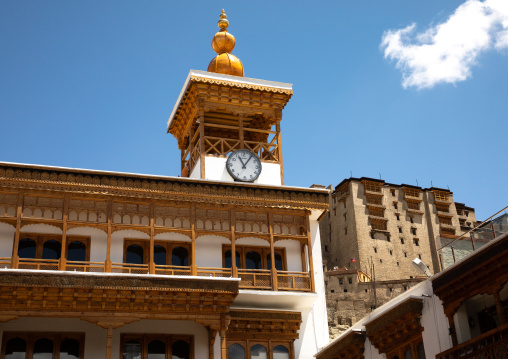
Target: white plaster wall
{"x": 6, "y": 239}
{"x": 293, "y": 254}
{"x": 169, "y": 236}
{"x": 251, "y": 241}
{"x": 98, "y": 241}
{"x": 117, "y": 239}
{"x": 41, "y": 229}
{"x": 209, "y": 251}
{"x": 215, "y": 169}
{"x": 95, "y": 337}
{"x": 371, "y": 352}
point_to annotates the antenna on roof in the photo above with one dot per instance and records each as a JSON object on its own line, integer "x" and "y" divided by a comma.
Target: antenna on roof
{"x": 379, "y": 175}
{"x": 431, "y": 183}
{"x": 417, "y": 183}
{"x": 448, "y": 187}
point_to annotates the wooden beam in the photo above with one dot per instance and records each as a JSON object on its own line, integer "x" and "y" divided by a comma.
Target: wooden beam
{"x": 19, "y": 211}
{"x": 241, "y": 134}
{"x": 202, "y": 139}
{"x": 309, "y": 250}
{"x": 108, "y": 244}
{"x": 63, "y": 259}
{"x": 194, "y": 268}
{"x": 275, "y": 285}
{"x": 151, "y": 265}
{"x": 232, "y": 223}
{"x": 109, "y": 342}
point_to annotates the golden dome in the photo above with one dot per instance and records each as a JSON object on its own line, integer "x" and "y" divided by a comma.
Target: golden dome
{"x": 226, "y": 64}
{"x": 223, "y": 43}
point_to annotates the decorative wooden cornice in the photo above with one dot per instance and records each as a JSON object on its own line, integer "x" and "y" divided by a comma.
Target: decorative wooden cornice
{"x": 349, "y": 346}
{"x": 37, "y": 178}
{"x": 110, "y": 322}
{"x": 263, "y": 324}
{"x": 483, "y": 272}
{"x": 133, "y": 296}
{"x": 395, "y": 326}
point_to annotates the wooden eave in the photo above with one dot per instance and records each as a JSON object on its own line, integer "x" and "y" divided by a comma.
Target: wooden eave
{"x": 258, "y": 96}
{"x": 103, "y": 185}
{"x": 395, "y": 326}
{"x": 378, "y": 219}
{"x": 263, "y": 324}
{"x": 348, "y": 346}
{"x": 412, "y": 200}
{"x": 414, "y": 211}
{"x": 485, "y": 271}
{"x": 66, "y": 294}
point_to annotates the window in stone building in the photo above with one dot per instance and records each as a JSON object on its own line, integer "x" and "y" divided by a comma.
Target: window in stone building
{"x": 345, "y": 230}
{"x": 380, "y": 261}
{"x": 345, "y": 290}
{"x": 402, "y": 241}
{"x": 400, "y": 229}
{"x": 345, "y": 217}
{"x": 333, "y": 291}
{"x": 393, "y": 192}
{"x": 416, "y": 241}
{"x": 341, "y": 281}
{"x": 326, "y": 248}
{"x": 372, "y": 235}
{"x": 391, "y": 253}
{"x": 375, "y": 250}
{"x": 391, "y": 289}
{"x": 398, "y": 216}
{"x": 397, "y": 263}
{"x": 405, "y": 254}
{"x": 413, "y": 231}
{"x": 411, "y": 219}
{"x": 466, "y": 213}
{"x": 388, "y": 239}
{"x": 365, "y": 290}
{"x": 350, "y": 280}
{"x": 419, "y": 256}
{"x": 405, "y": 287}
{"x": 395, "y": 205}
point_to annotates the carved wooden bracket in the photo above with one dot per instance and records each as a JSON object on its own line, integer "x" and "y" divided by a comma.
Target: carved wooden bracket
{"x": 110, "y": 322}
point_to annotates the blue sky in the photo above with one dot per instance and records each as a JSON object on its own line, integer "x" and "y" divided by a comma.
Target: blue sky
{"x": 92, "y": 84}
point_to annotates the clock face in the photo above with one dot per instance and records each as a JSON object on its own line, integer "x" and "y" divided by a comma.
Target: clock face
{"x": 243, "y": 165}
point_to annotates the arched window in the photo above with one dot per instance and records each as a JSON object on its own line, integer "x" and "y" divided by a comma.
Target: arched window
{"x": 159, "y": 255}
{"x": 26, "y": 248}
{"x": 236, "y": 351}
{"x": 278, "y": 261}
{"x": 134, "y": 254}
{"x": 228, "y": 262}
{"x": 421, "y": 351}
{"x": 280, "y": 352}
{"x": 69, "y": 349}
{"x": 15, "y": 348}
{"x": 76, "y": 251}
{"x": 51, "y": 249}
{"x": 156, "y": 350}
{"x": 180, "y": 350}
{"x": 43, "y": 349}
{"x": 132, "y": 350}
{"x": 180, "y": 257}
{"x": 253, "y": 260}
{"x": 258, "y": 352}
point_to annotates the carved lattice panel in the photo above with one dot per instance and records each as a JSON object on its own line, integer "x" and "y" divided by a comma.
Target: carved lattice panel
{"x": 87, "y": 210}
{"x": 8, "y": 204}
{"x": 172, "y": 216}
{"x": 43, "y": 207}
{"x": 131, "y": 213}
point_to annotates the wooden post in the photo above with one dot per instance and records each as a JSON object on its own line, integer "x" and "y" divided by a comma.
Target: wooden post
{"x": 499, "y": 308}
{"x": 275, "y": 285}
{"x": 279, "y": 147}
{"x": 63, "y": 259}
{"x": 211, "y": 341}
{"x": 232, "y": 222}
{"x": 151, "y": 265}
{"x": 19, "y": 211}
{"x": 202, "y": 139}
{"x": 304, "y": 261}
{"x": 194, "y": 267}
{"x": 109, "y": 342}
{"x": 108, "y": 244}
{"x": 309, "y": 249}
{"x": 240, "y": 130}
{"x": 453, "y": 332}
{"x": 223, "y": 349}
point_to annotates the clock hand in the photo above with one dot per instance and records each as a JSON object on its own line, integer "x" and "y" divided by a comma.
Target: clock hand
{"x": 245, "y": 164}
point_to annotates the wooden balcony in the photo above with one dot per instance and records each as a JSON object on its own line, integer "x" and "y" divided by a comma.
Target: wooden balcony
{"x": 256, "y": 279}
{"x": 491, "y": 345}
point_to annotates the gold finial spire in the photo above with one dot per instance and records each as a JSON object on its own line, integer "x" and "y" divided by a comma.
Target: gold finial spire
{"x": 223, "y": 22}
{"x": 223, "y": 43}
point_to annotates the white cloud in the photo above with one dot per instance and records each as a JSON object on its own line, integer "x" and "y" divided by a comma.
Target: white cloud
{"x": 446, "y": 52}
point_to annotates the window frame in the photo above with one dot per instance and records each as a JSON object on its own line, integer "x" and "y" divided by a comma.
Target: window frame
{"x": 41, "y": 238}
{"x": 31, "y": 337}
{"x": 167, "y": 244}
{"x": 262, "y": 250}
{"x": 167, "y": 339}
{"x": 268, "y": 344}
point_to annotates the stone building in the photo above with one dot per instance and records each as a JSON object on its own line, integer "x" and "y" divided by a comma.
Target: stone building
{"x": 378, "y": 228}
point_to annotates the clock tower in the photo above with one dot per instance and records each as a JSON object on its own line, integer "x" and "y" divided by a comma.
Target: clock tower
{"x": 227, "y": 124}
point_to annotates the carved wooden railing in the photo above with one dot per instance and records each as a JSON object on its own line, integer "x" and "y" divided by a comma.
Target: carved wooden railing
{"x": 255, "y": 278}
{"x": 299, "y": 281}
{"x": 490, "y": 345}
{"x": 260, "y": 279}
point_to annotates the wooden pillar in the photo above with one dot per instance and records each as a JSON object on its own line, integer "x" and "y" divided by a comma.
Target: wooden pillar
{"x": 63, "y": 259}
{"x": 202, "y": 139}
{"x": 108, "y": 244}
{"x": 304, "y": 261}
{"x": 232, "y": 222}
{"x": 275, "y": 285}
{"x": 211, "y": 341}
{"x": 453, "y": 332}
{"x": 309, "y": 250}
{"x": 19, "y": 211}
{"x": 109, "y": 342}
{"x": 241, "y": 132}
{"x": 224, "y": 323}
{"x": 499, "y": 308}
{"x": 279, "y": 147}
{"x": 194, "y": 267}
{"x": 151, "y": 265}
